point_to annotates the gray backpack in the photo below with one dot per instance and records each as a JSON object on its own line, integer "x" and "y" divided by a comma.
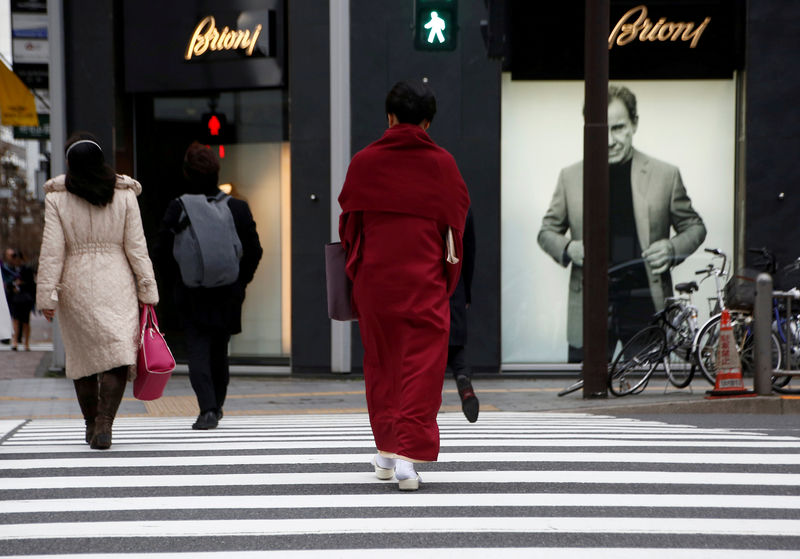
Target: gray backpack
{"x": 207, "y": 248}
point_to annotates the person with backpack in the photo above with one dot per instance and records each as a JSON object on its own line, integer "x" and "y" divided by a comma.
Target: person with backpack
{"x": 212, "y": 240}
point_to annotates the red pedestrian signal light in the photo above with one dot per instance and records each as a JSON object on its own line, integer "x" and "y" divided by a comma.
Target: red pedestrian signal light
{"x": 214, "y": 125}
{"x": 215, "y": 130}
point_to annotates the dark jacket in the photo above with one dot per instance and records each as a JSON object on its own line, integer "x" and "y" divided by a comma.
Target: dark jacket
{"x": 20, "y": 290}
{"x": 462, "y": 296}
{"x": 217, "y": 307}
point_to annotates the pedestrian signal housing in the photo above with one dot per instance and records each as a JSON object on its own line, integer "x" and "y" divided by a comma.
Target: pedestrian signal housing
{"x": 435, "y": 25}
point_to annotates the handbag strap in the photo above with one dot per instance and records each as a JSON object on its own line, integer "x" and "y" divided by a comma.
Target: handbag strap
{"x": 148, "y": 319}
{"x": 153, "y": 317}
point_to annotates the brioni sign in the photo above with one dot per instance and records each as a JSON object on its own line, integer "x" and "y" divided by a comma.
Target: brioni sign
{"x": 625, "y": 31}
{"x": 647, "y": 39}
{"x": 205, "y": 45}
{"x": 206, "y": 37}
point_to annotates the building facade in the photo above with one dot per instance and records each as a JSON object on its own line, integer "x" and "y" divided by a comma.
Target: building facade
{"x": 288, "y": 90}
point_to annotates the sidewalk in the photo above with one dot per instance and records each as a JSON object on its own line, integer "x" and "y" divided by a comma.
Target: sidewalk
{"x": 27, "y": 391}
{"x": 42, "y": 397}
{"x": 29, "y": 364}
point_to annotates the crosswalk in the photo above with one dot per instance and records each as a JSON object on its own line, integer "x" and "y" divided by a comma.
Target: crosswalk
{"x": 512, "y": 485}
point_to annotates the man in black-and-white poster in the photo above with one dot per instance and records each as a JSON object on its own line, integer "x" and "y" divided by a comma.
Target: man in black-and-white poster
{"x": 647, "y": 202}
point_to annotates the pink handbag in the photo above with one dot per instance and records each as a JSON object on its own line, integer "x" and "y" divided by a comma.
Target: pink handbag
{"x": 155, "y": 362}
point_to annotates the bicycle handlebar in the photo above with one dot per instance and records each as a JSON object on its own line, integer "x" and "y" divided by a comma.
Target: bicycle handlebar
{"x": 718, "y": 252}
{"x": 794, "y": 293}
{"x": 762, "y": 250}
{"x": 771, "y": 263}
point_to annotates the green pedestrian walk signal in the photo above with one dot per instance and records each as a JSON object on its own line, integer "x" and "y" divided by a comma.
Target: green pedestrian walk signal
{"x": 436, "y": 24}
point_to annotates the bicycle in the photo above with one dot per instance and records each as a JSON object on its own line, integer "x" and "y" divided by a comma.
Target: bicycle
{"x": 669, "y": 340}
{"x": 788, "y": 332}
{"x": 785, "y": 325}
{"x": 741, "y": 319}
{"x": 617, "y": 275}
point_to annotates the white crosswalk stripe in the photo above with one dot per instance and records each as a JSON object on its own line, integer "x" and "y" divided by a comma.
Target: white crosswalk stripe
{"x": 512, "y": 485}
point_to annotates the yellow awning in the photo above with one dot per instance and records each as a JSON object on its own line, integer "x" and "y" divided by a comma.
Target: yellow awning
{"x": 17, "y": 104}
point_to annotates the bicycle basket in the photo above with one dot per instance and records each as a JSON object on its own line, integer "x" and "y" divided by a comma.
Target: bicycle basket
{"x": 740, "y": 291}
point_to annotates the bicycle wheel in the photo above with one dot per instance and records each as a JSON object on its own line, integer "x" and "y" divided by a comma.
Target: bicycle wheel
{"x": 780, "y": 382}
{"x": 679, "y": 372}
{"x": 708, "y": 340}
{"x": 748, "y": 357}
{"x": 634, "y": 365}
{"x": 706, "y": 349}
{"x": 680, "y": 337}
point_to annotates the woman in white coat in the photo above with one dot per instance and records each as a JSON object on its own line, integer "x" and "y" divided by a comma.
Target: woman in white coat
{"x": 95, "y": 270}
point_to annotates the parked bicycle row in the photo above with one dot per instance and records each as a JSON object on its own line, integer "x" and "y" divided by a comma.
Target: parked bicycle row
{"x": 679, "y": 345}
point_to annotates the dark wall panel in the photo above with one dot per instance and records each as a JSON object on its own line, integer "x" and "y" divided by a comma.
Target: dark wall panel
{"x": 89, "y": 60}
{"x": 467, "y": 86}
{"x": 773, "y": 114}
{"x": 309, "y": 125}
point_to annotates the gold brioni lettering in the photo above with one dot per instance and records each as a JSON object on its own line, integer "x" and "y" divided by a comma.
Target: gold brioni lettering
{"x": 662, "y": 30}
{"x": 206, "y": 37}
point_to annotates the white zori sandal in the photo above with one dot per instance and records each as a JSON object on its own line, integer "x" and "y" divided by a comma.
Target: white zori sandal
{"x": 384, "y": 467}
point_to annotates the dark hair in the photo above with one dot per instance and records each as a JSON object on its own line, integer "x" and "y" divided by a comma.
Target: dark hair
{"x": 88, "y": 175}
{"x": 627, "y": 97}
{"x": 411, "y": 101}
{"x": 201, "y": 169}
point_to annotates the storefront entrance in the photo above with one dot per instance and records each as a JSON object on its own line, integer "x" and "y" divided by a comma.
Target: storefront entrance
{"x": 249, "y": 134}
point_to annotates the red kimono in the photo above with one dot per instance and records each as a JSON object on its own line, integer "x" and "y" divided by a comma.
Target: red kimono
{"x": 401, "y": 194}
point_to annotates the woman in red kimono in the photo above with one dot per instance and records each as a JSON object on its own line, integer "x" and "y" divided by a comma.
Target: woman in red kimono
{"x": 402, "y": 196}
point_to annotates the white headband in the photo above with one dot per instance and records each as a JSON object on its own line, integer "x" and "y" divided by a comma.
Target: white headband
{"x": 66, "y": 155}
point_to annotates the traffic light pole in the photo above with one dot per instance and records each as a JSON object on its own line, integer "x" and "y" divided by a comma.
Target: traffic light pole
{"x": 341, "y": 332}
{"x": 58, "y": 131}
{"x": 595, "y": 201}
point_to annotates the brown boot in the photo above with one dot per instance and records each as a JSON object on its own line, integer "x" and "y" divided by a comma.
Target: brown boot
{"x": 112, "y": 387}
{"x": 86, "y": 390}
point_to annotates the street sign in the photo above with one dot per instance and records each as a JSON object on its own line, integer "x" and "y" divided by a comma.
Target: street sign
{"x": 41, "y": 132}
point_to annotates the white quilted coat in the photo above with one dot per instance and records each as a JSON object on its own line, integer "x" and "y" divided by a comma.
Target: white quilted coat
{"x": 94, "y": 269}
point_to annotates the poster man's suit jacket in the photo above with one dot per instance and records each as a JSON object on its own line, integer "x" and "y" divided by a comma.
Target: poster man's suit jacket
{"x": 660, "y": 202}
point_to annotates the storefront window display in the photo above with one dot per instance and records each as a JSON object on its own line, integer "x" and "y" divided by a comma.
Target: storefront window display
{"x": 254, "y": 165}
{"x": 681, "y": 146}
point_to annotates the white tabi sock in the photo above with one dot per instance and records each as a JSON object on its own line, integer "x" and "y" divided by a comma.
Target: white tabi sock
{"x": 404, "y": 470}
{"x": 384, "y": 462}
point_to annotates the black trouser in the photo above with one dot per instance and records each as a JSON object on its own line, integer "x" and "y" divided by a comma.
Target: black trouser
{"x": 207, "y": 350}
{"x": 457, "y": 361}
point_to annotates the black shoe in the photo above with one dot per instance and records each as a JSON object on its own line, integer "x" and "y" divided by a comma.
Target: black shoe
{"x": 469, "y": 402}
{"x": 205, "y": 421}
{"x": 219, "y": 414}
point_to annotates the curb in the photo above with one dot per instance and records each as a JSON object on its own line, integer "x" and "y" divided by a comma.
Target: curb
{"x": 767, "y": 405}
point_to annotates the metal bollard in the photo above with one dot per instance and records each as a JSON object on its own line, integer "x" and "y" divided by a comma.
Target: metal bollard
{"x": 762, "y": 330}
